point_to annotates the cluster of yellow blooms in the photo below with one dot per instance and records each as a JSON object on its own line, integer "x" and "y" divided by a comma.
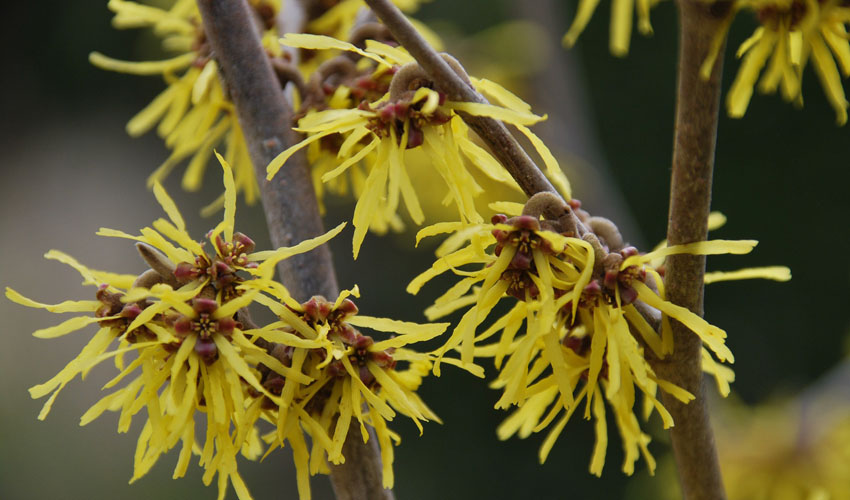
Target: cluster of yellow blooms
{"x": 194, "y": 114}
{"x": 310, "y": 373}
{"x": 588, "y": 314}
{"x": 376, "y": 116}
{"x": 583, "y": 338}
{"x": 786, "y": 450}
{"x": 790, "y": 33}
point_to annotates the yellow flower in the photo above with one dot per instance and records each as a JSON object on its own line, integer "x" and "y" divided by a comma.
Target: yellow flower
{"x": 381, "y": 132}
{"x": 107, "y": 310}
{"x": 193, "y": 113}
{"x": 786, "y": 450}
{"x": 575, "y": 332}
{"x": 352, "y": 377}
{"x": 791, "y": 32}
{"x": 621, "y": 22}
{"x": 339, "y": 20}
{"x": 181, "y": 320}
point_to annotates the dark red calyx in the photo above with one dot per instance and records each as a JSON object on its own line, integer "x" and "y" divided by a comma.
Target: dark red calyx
{"x": 204, "y": 306}
{"x": 206, "y": 349}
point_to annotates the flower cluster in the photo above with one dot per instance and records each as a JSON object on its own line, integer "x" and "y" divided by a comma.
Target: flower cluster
{"x": 622, "y": 12}
{"x": 790, "y": 33}
{"x": 351, "y": 376}
{"x": 194, "y": 113}
{"x": 193, "y": 350}
{"x": 579, "y": 327}
{"x": 786, "y": 449}
{"x": 380, "y": 117}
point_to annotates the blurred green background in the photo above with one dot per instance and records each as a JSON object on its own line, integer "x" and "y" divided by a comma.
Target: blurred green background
{"x": 69, "y": 168}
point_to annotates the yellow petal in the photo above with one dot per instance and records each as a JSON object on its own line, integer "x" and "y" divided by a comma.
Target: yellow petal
{"x": 271, "y": 257}
{"x": 142, "y": 68}
{"x": 169, "y": 206}
{"x": 776, "y": 273}
{"x": 713, "y": 247}
{"x": 62, "y": 307}
{"x": 495, "y": 112}
{"x": 319, "y": 42}
{"x": 68, "y": 326}
{"x": 229, "y": 199}
{"x": 396, "y": 54}
{"x": 710, "y": 334}
{"x": 583, "y": 15}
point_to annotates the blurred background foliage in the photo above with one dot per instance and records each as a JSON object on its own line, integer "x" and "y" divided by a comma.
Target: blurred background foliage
{"x": 69, "y": 168}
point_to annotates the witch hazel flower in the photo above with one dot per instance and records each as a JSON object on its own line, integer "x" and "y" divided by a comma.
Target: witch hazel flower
{"x": 409, "y": 116}
{"x": 790, "y": 34}
{"x": 579, "y": 329}
{"x": 356, "y": 379}
{"x": 622, "y": 12}
{"x": 194, "y": 114}
{"x": 181, "y": 348}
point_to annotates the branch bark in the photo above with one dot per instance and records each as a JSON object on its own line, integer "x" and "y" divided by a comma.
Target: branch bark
{"x": 697, "y": 108}
{"x": 289, "y": 200}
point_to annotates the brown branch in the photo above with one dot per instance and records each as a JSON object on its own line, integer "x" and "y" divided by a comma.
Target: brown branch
{"x": 289, "y": 200}
{"x": 499, "y": 140}
{"x": 697, "y": 108}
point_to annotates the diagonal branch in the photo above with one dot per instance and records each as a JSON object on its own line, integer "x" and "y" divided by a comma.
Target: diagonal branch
{"x": 289, "y": 200}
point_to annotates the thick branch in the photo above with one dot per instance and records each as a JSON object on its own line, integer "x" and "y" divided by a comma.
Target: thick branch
{"x": 265, "y": 117}
{"x": 690, "y": 197}
{"x": 289, "y": 200}
{"x": 499, "y": 140}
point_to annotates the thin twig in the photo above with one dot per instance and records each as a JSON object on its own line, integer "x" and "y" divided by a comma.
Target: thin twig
{"x": 697, "y": 106}
{"x": 559, "y": 88}
{"x": 501, "y": 143}
{"x": 289, "y": 200}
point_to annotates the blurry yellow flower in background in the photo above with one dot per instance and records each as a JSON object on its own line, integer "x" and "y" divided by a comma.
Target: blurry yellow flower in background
{"x": 193, "y": 114}
{"x": 339, "y": 20}
{"x": 785, "y": 450}
{"x": 622, "y": 12}
{"x": 790, "y": 33}
{"x": 782, "y": 449}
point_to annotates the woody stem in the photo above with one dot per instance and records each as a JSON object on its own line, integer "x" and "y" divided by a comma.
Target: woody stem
{"x": 697, "y": 108}
{"x": 289, "y": 200}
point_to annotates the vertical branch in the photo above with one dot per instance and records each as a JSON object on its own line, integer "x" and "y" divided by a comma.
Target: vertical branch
{"x": 697, "y": 108}
{"x": 289, "y": 200}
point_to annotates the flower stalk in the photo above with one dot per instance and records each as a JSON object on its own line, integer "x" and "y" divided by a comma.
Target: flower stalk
{"x": 289, "y": 201}
{"x": 697, "y": 107}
